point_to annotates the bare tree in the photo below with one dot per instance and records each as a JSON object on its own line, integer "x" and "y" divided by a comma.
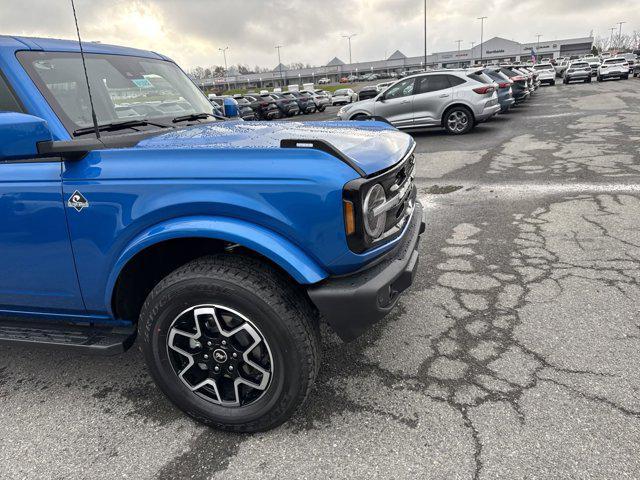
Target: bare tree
{"x": 635, "y": 40}
{"x": 623, "y": 42}
{"x": 197, "y": 72}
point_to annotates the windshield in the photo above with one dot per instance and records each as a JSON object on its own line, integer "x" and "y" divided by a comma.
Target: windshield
{"x": 579, "y": 65}
{"x": 614, "y": 61}
{"x": 123, "y": 88}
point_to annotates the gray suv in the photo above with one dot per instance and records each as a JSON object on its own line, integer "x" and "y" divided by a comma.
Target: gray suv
{"x": 453, "y": 99}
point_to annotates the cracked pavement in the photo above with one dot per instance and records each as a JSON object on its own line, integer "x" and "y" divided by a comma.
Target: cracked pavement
{"x": 515, "y": 355}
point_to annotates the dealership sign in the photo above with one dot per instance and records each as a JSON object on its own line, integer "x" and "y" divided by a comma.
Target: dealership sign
{"x": 555, "y": 45}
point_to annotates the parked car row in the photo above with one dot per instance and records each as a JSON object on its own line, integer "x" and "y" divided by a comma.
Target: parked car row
{"x": 367, "y": 77}
{"x": 454, "y": 99}
{"x": 583, "y": 69}
{"x": 271, "y": 105}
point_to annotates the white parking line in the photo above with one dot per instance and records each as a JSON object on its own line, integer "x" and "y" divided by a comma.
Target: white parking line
{"x": 566, "y": 114}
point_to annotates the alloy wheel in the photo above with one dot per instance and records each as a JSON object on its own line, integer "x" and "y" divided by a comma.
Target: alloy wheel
{"x": 458, "y": 121}
{"x": 220, "y": 355}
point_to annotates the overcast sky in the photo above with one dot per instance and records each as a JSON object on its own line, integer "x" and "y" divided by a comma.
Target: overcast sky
{"x": 191, "y": 31}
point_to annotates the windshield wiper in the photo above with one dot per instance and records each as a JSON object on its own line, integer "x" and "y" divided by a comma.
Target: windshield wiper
{"x": 114, "y": 126}
{"x": 196, "y": 116}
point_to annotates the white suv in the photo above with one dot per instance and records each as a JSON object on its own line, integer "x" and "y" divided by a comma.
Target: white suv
{"x": 453, "y": 99}
{"x": 546, "y": 73}
{"x": 616, "y": 67}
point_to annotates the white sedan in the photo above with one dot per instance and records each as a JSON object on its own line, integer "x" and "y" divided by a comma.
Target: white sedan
{"x": 344, "y": 96}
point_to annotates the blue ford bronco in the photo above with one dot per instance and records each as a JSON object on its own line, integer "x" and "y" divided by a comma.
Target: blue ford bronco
{"x": 128, "y": 209}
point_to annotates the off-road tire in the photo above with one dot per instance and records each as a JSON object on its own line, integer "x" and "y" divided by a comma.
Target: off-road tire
{"x": 276, "y": 308}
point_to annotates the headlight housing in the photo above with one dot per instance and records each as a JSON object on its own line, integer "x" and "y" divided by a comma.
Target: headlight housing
{"x": 374, "y": 224}
{"x": 344, "y": 109}
{"x": 376, "y": 208}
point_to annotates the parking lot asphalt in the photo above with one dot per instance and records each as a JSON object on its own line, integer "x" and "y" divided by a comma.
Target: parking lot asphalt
{"x": 515, "y": 355}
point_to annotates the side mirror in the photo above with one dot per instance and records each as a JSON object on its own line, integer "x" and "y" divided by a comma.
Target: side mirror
{"x": 380, "y": 98}
{"x": 20, "y": 135}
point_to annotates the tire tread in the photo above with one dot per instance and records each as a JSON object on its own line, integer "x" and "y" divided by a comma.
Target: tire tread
{"x": 277, "y": 292}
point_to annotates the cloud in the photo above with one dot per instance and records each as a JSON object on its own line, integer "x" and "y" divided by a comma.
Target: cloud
{"x": 192, "y": 31}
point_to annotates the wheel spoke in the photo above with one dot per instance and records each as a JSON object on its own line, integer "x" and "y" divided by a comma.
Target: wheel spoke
{"x": 221, "y": 352}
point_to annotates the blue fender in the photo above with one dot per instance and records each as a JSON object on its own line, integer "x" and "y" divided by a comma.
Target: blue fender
{"x": 259, "y": 239}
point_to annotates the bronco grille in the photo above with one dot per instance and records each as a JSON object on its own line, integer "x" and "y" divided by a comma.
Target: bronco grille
{"x": 401, "y": 195}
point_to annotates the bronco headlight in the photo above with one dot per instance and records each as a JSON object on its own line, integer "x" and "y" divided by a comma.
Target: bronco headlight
{"x": 374, "y": 224}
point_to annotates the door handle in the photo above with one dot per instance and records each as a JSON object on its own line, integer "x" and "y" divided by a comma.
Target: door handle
{"x": 444, "y": 95}
{"x": 406, "y": 101}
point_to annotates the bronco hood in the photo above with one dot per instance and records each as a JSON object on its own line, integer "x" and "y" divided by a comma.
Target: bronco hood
{"x": 371, "y": 146}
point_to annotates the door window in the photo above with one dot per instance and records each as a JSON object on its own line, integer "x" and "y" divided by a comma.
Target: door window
{"x": 401, "y": 89}
{"x": 434, "y": 83}
{"x": 8, "y": 102}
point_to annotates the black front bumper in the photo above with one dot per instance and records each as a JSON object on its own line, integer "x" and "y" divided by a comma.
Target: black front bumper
{"x": 353, "y": 303}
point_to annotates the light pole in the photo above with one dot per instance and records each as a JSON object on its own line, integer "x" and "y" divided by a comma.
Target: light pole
{"x": 425, "y": 34}
{"x": 224, "y": 53}
{"x": 620, "y": 34}
{"x": 278, "y": 47}
{"x": 459, "y": 62}
{"x": 349, "y": 37}
{"x": 482, "y": 19}
{"x": 473, "y": 57}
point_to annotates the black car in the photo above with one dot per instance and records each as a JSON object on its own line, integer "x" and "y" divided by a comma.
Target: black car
{"x": 264, "y": 106}
{"x": 305, "y": 102}
{"x": 520, "y": 87}
{"x": 368, "y": 92}
{"x": 288, "y": 106}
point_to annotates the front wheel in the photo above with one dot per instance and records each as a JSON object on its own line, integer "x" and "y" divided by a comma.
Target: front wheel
{"x": 231, "y": 342}
{"x": 458, "y": 121}
{"x": 588, "y": 80}
{"x": 553, "y": 82}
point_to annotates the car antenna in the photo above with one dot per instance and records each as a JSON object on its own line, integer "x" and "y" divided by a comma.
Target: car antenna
{"x": 86, "y": 76}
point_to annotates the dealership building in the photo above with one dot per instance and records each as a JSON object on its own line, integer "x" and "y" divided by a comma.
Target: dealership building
{"x": 493, "y": 51}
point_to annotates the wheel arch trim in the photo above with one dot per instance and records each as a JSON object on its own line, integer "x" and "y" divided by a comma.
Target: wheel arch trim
{"x": 302, "y": 268}
{"x": 454, "y": 104}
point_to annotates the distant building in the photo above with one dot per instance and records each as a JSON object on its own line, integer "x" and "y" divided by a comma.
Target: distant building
{"x": 493, "y": 51}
